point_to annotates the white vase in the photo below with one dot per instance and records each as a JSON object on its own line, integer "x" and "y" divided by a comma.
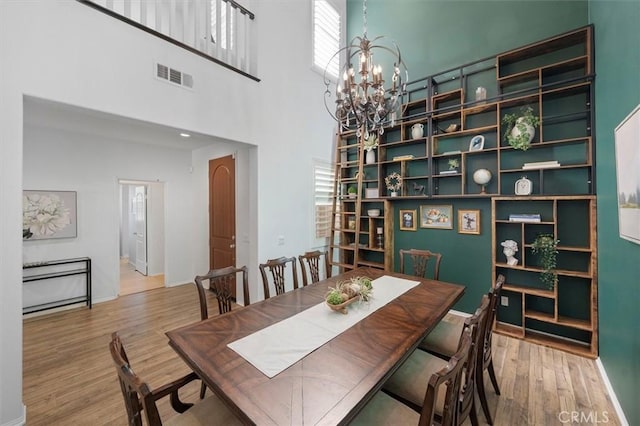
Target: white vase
{"x": 417, "y": 130}
{"x": 528, "y": 128}
{"x": 394, "y": 194}
{"x": 370, "y": 157}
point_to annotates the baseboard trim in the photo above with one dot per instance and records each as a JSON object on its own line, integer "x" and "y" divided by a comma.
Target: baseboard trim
{"x": 20, "y": 421}
{"x": 459, "y": 313}
{"x": 612, "y": 394}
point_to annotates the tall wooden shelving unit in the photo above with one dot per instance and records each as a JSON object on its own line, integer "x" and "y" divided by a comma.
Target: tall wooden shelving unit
{"x": 555, "y": 78}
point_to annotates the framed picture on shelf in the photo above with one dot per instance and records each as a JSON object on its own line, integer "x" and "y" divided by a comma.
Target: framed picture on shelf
{"x": 408, "y": 220}
{"x": 476, "y": 143}
{"x": 371, "y": 193}
{"x": 48, "y": 215}
{"x": 438, "y": 217}
{"x": 469, "y": 222}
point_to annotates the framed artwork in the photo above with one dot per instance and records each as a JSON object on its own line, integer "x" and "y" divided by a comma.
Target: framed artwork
{"x": 627, "y": 137}
{"x": 371, "y": 193}
{"x": 438, "y": 217}
{"x": 48, "y": 214}
{"x": 469, "y": 222}
{"x": 408, "y": 220}
{"x": 476, "y": 143}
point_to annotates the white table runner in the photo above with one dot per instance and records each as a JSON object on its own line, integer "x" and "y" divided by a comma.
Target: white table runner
{"x": 279, "y": 346}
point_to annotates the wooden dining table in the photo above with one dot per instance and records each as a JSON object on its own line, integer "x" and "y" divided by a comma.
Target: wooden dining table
{"x": 331, "y": 384}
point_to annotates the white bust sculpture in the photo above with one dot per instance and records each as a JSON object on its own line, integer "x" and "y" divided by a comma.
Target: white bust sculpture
{"x": 510, "y": 249}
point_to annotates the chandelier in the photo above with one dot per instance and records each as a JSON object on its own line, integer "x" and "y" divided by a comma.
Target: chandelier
{"x": 363, "y": 100}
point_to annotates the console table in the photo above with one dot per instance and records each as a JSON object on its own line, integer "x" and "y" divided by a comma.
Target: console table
{"x": 56, "y": 269}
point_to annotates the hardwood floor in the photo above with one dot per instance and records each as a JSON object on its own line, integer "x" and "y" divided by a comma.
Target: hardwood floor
{"x": 69, "y": 378}
{"x": 132, "y": 281}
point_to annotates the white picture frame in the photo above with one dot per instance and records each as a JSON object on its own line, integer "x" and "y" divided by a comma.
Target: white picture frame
{"x": 371, "y": 193}
{"x": 476, "y": 143}
{"x": 627, "y": 143}
{"x": 60, "y": 210}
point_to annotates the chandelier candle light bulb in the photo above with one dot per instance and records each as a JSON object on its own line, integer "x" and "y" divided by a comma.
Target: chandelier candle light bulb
{"x": 367, "y": 103}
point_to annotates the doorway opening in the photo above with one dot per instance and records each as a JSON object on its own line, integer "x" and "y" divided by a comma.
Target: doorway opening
{"x": 141, "y": 236}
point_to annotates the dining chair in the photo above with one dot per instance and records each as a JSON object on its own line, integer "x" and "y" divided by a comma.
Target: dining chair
{"x": 277, "y": 268}
{"x": 439, "y": 401}
{"x": 311, "y": 259}
{"x": 140, "y": 400}
{"x": 442, "y": 342}
{"x": 221, "y": 283}
{"x": 420, "y": 261}
{"x": 409, "y": 382}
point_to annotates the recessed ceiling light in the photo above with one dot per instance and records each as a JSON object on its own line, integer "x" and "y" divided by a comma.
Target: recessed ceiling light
{"x": 185, "y": 135}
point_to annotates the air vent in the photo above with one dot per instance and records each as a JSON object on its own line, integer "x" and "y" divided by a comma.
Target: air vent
{"x": 174, "y": 76}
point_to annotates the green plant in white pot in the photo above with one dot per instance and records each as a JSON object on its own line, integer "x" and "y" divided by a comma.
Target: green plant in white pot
{"x": 521, "y": 128}
{"x": 352, "y": 191}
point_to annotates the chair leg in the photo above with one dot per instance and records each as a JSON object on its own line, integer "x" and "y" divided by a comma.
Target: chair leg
{"x": 203, "y": 389}
{"x": 474, "y": 415}
{"x": 492, "y": 375}
{"x": 483, "y": 396}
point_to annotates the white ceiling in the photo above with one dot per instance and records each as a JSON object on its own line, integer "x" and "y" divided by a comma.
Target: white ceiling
{"x": 42, "y": 113}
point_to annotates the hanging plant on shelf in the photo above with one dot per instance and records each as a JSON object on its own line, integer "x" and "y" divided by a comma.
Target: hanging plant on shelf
{"x": 521, "y": 128}
{"x": 545, "y": 247}
{"x": 393, "y": 183}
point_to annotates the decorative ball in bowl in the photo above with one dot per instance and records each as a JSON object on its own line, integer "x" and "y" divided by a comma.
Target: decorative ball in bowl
{"x": 373, "y": 212}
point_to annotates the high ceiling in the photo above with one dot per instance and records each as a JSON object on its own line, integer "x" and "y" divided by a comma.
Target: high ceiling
{"x": 55, "y": 115}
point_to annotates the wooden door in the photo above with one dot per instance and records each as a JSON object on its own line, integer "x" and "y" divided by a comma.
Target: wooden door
{"x": 222, "y": 213}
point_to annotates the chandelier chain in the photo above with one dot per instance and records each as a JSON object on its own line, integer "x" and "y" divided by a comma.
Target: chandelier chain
{"x": 364, "y": 18}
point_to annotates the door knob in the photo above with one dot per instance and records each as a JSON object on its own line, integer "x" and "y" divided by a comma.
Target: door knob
{"x": 232, "y": 245}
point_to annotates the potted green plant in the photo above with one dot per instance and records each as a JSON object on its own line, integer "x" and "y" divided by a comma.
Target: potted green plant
{"x": 352, "y": 191}
{"x": 545, "y": 247}
{"x": 521, "y": 128}
{"x": 369, "y": 145}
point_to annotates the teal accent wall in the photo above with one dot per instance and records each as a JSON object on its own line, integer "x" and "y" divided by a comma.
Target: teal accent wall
{"x": 434, "y": 36}
{"x": 617, "y": 44}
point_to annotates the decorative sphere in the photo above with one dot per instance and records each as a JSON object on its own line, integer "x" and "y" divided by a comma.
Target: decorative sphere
{"x": 482, "y": 176}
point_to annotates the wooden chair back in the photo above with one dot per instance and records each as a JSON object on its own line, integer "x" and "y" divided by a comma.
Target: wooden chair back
{"x": 277, "y": 267}
{"x": 221, "y": 282}
{"x": 311, "y": 259}
{"x": 494, "y": 295}
{"x": 476, "y": 324}
{"x": 451, "y": 376}
{"x": 138, "y": 398}
{"x": 421, "y": 260}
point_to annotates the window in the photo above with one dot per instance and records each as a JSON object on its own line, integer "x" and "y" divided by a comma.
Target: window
{"x": 323, "y": 201}
{"x": 326, "y": 36}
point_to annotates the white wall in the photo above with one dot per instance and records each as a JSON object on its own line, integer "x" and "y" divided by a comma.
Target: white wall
{"x": 93, "y": 171}
{"x": 155, "y": 229}
{"x": 66, "y": 52}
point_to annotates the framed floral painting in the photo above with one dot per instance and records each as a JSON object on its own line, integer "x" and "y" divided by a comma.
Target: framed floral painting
{"x": 48, "y": 214}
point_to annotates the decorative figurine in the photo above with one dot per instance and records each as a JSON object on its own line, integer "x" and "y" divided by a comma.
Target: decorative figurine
{"x": 510, "y": 249}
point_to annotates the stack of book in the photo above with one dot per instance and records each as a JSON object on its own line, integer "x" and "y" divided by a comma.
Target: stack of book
{"x": 448, "y": 172}
{"x": 541, "y": 165}
{"x": 521, "y": 217}
{"x": 403, "y": 157}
